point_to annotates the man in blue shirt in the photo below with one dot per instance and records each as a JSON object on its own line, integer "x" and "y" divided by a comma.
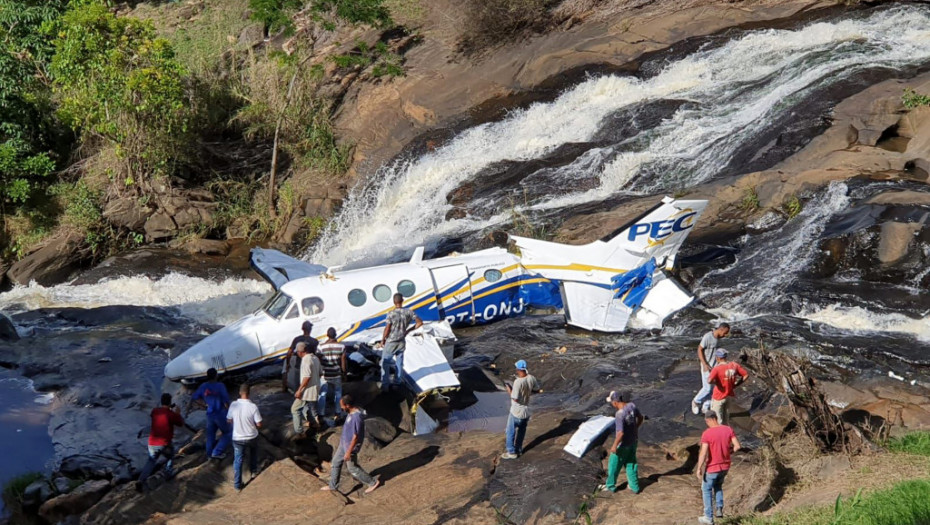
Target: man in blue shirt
{"x": 623, "y": 450}
{"x": 213, "y": 394}
{"x": 353, "y": 433}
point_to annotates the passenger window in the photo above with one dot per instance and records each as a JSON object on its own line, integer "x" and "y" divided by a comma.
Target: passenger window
{"x": 292, "y": 314}
{"x": 406, "y": 288}
{"x": 312, "y": 306}
{"x": 493, "y": 275}
{"x": 381, "y": 293}
{"x": 357, "y": 297}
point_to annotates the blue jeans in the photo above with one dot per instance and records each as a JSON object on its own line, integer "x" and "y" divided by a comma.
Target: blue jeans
{"x": 239, "y": 448}
{"x": 392, "y": 356}
{"x": 713, "y": 483}
{"x": 154, "y": 452}
{"x": 357, "y": 472}
{"x": 334, "y": 384}
{"x": 516, "y": 431}
{"x": 702, "y": 399}
{"x": 217, "y": 422}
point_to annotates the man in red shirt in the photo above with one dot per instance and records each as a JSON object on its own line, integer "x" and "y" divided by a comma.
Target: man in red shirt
{"x": 717, "y": 443}
{"x": 724, "y": 377}
{"x": 164, "y": 419}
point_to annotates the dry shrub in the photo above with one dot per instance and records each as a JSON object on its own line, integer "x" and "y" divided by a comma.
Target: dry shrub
{"x": 492, "y": 22}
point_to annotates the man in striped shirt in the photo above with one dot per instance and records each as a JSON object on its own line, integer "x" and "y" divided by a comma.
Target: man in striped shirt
{"x": 332, "y": 356}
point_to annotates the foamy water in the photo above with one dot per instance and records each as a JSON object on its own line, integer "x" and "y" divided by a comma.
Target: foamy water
{"x": 858, "y": 319}
{"x": 734, "y": 92}
{"x": 206, "y": 301}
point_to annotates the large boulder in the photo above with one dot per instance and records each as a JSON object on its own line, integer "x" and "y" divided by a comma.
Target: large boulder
{"x": 159, "y": 227}
{"x": 126, "y": 213}
{"x": 36, "y": 493}
{"x": 7, "y": 329}
{"x": 52, "y": 263}
{"x": 75, "y": 502}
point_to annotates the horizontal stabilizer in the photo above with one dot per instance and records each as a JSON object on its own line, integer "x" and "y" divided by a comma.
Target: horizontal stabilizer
{"x": 278, "y": 268}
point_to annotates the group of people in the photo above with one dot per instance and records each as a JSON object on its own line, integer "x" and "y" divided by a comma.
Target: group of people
{"x": 719, "y": 378}
{"x": 321, "y": 368}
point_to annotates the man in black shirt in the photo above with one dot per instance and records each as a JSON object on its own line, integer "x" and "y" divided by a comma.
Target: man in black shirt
{"x": 291, "y": 362}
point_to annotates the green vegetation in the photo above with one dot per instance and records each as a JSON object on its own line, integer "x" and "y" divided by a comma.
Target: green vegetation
{"x": 916, "y": 443}
{"x": 750, "y": 200}
{"x": 792, "y": 207}
{"x": 913, "y": 99}
{"x": 905, "y": 503}
{"x": 99, "y": 104}
{"x": 16, "y": 487}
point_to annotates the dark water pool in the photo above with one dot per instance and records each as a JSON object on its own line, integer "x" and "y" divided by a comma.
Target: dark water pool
{"x": 24, "y": 418}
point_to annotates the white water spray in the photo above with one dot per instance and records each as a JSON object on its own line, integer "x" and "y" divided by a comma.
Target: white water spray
{"x": 734, "y": 92}
{"x": 200, "y": 299}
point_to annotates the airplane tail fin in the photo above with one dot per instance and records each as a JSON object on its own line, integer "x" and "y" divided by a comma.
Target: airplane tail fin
{"x": 659, "y": 232}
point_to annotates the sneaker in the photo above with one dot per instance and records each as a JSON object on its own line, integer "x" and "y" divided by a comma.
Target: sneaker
{"x": 508, "y": 455}
{"x": 719, "y": 512}
{"x": 695, "y": 409}
{"x": 705, "y": 520}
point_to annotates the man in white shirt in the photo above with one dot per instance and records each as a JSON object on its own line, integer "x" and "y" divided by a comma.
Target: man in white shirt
{"x": 246, "y": 420}
{"x": 305, "y": 399}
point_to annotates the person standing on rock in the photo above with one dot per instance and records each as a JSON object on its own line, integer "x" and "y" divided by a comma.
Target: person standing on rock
{"x": 245, "y": 420}
{"x": 717, "y": 443}
{"x": 214, "y": 395}
{"x": 353, "y": 434}
{"x": 164, "y": 419}
{"x": 308, "y": 393}
{"x": 705, "y": 352}
{"x": 724, "y": 377}
{"x": 333, "y": 359}
{"x": 519, "y": 416}
{"x": 291, "y": 361}
{"x": 394, "y": 341}
{"x": 623, "y": 450}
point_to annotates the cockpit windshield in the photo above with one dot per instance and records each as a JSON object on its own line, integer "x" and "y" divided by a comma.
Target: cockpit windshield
{"x": 277, "y": 305}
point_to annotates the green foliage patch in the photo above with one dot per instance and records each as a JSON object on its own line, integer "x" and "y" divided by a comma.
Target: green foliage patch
{"x": 905, "y": 503}
{"x": 16, "y": 487}
{"x": 917, "y": 443}
{"x": 913, "y": 99}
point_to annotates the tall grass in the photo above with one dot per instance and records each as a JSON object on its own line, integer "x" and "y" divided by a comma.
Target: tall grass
{"x": 917, "y": 443}
{"x": 16, "y": 487}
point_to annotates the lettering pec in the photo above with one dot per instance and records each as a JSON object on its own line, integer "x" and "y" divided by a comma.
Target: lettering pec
{"x": 662, "y": 229}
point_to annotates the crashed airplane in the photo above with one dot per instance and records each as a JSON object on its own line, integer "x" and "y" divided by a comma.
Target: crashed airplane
{"x": 608, "y": 285}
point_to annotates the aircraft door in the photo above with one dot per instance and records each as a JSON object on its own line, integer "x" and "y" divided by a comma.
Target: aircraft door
{"x": 453, "y": 293}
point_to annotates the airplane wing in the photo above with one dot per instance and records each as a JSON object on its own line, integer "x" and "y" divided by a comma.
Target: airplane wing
{"x": 278, "y": 268}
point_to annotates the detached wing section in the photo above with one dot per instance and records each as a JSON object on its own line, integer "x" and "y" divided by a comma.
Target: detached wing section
{"x": 619, "y": 281}
{"x": 278, "y": 268}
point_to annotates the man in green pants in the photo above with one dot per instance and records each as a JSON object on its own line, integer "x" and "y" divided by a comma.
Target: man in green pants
{"x": 623, "y": 450}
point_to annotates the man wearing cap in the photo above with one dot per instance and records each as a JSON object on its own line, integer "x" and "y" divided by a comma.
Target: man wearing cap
{"x": 623, "y": 450}
{"x": 717, "y": 443}
{"x": 291, "y": 363}
{"x": 519, "y": 417}
{"x": 724, "y": 377}
{"x": 705, "y": 351}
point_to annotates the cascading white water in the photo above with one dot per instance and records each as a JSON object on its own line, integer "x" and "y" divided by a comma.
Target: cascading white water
{"x": 199, "y": 299}
{"x": 772, "y": 261}
{"x": 734, "y": 91}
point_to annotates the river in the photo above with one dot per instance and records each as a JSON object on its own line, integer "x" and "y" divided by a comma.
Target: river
{"x": 687, "y": 117}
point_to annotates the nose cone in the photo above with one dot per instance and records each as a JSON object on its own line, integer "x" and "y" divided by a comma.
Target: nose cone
{"x": 228, "y": 349}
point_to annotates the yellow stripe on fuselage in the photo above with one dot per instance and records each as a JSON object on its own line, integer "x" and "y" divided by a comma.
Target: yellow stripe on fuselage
{"x": 575, "y": 267}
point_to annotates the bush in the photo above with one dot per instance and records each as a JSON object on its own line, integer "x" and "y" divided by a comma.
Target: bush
{"x": 118, "y": 81}
{"x": 913, "y": 99}
{"x": 274, "y": 13}
{"x": 492, "y": 22}
{"x": 371, "y": 12}
{"x": 16, "y": 487}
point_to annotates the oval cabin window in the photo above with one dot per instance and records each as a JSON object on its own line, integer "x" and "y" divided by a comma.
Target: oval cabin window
{"x": 406, "y": 288}
{"x": 312, "y": 306}
{"x": 381, "y": 293}
{"x": 357, "y": 297}
{"x": 493, "y": 275}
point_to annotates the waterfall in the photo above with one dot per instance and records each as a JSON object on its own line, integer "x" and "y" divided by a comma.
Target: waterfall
{"x": 733, "y": 93}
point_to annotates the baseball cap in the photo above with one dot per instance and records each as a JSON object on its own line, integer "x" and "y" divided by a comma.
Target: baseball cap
{"x": 521, "y": 365}
{"x": 307, "y": 326}
{"x": 614, "y": 397}
{"x": 720, "y": 352}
